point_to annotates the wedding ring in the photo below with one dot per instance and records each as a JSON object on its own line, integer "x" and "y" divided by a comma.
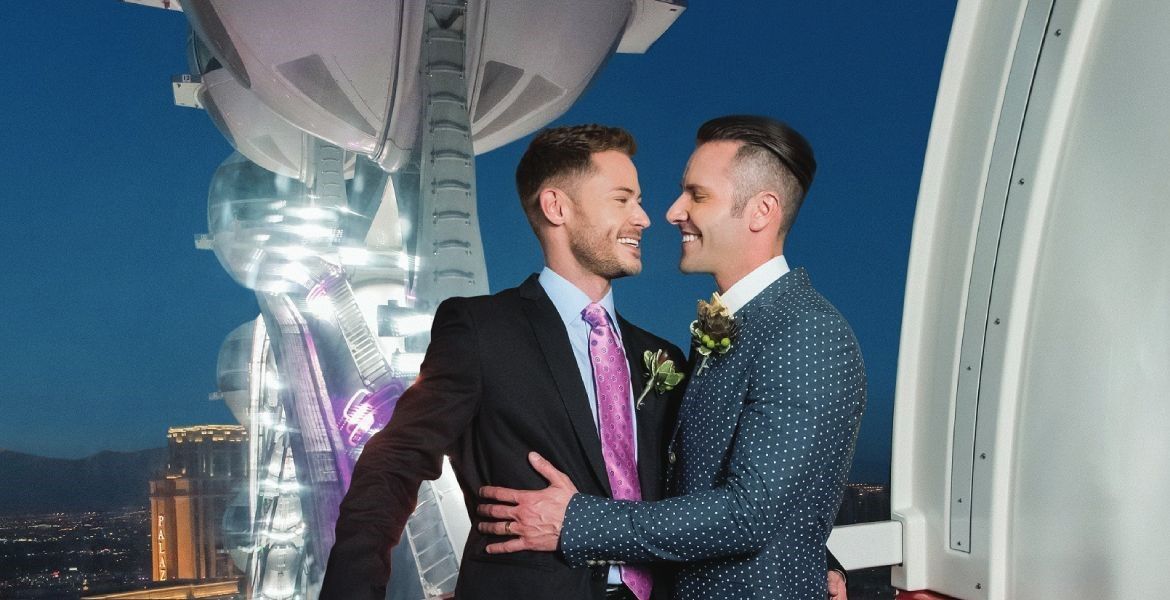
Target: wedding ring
{"x": 508, "y": 527}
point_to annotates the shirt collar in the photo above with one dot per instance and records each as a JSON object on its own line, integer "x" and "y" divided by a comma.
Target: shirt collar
{"x": 570, "y": 300}
{"x": 753, "y": 283}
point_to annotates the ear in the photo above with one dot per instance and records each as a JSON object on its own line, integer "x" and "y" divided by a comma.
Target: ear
{"x": 766, "y": 211}
{"x": 553, "y": 205}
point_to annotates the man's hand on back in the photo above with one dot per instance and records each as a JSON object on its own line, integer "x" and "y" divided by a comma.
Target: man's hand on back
{"x": 534, "y": 518}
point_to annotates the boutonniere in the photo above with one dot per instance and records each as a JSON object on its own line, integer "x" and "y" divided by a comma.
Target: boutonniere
{"x": 714, "y": 330}
{"x": 660, "y": 374}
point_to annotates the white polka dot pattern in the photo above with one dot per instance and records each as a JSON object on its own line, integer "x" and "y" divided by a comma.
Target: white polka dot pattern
{"x": 763, "y": 446}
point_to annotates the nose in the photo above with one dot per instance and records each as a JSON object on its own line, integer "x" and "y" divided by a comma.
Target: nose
{"x": 640, "y": 219}
{"x": 677, "y": 213}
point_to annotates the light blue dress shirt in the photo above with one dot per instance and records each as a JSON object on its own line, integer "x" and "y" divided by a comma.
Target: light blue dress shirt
{"x": 570, "y": 301}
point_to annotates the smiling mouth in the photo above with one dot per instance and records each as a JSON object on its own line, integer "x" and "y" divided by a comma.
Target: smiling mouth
{"x": 690, "y": 237}
{"x": 631, "y": 242}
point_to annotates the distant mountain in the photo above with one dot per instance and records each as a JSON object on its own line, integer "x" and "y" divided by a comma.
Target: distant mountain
{"x": 106, "y": 480}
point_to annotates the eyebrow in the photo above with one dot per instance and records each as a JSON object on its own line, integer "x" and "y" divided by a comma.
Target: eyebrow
{"x": 627, "y": 190}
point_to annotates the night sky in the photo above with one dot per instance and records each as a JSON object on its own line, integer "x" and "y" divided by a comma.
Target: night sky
{"x": 113, "y": 320}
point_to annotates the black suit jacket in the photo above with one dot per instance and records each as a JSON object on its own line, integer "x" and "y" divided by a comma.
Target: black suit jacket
{"x": 499, "y": 379}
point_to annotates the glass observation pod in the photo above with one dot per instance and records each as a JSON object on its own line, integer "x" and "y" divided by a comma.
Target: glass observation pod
{"x": 1030, "y": 456}
{"x": 349, "y": 208}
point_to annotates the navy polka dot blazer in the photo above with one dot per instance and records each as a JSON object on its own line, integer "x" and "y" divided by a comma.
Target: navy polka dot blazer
{"x": 758, "y": 462}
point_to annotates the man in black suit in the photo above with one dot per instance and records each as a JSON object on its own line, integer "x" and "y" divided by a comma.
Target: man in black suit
{"x": 511, "y": 373}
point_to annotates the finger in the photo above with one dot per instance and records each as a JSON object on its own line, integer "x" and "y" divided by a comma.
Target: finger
{"x": 512, "y": 545}
{"x": 502, "y": 494}
{"x": 546, "y": 470}
{"x": 495, "y": 528}
{"x": 497, "y": 511}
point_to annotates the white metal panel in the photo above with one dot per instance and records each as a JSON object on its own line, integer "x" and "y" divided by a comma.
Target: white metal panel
{"x": 866, "y": 545}
{"x": 295, "y": 58}
{"x": 555, "y": 47}
{"x": 974, "y": 399}
{"x": 1085, "y": 514}
{"x": 1072, "y": 462}
{"x": 255, "y": 130}
{"x": 955, "y": 175}
{"x": 167, "y": 4}
{"x": 650, "y": 19}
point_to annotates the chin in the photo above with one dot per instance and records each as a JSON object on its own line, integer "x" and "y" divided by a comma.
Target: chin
{"x": 627, "y": 271}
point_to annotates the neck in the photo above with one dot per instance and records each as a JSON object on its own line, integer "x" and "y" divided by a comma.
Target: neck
{"x": 731, "y": 275}
{"x": 594, "y": 285}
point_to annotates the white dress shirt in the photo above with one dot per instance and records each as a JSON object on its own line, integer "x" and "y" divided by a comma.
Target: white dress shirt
{"x": 753, "y": 283}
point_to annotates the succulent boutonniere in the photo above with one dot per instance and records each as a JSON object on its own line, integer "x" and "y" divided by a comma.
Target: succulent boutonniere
{"x": 714, "y": 330}
{"x": 660, "y": 373}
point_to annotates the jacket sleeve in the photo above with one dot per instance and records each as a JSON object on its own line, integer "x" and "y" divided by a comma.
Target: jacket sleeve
{"x": 797, "y": 427}
{"x": 383, "y": 492}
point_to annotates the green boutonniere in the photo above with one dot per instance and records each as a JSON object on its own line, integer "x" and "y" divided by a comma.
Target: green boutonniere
{"x": 660, "y": 373}
{"x": 714, "y": 330}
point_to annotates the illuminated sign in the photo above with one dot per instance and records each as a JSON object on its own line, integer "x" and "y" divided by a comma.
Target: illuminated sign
{"x": 162, "y": 548}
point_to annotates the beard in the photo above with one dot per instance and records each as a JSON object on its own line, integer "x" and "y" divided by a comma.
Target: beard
{"x": 599, "y": 255}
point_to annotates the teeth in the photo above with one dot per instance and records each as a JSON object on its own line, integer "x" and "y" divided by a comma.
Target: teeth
{"x": 689, "y": 237}
{"x": 628, "y": 242}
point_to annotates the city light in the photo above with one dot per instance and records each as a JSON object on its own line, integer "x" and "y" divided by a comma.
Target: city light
{"x": 320, "y": 306}
{"x": 412, "y": 324}
{"x": 407, "y": 364}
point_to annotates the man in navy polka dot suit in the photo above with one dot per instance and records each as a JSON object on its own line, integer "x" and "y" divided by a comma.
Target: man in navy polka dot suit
{"x": 767, "y": 430}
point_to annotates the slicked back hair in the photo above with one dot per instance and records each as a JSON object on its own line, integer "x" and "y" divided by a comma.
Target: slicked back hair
{"x": 560, "y": 154}
{"x": 773, "y": 157}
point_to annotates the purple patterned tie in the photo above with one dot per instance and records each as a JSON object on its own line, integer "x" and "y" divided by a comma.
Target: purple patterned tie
{"x": 611, "y": 377}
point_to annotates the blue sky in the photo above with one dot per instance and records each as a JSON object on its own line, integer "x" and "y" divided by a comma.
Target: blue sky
{"x": 114, "y": 319}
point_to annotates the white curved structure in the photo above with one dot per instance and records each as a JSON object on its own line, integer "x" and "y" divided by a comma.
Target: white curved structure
{"x": 348, "y": 72}
{"x": 1030, "y": 455}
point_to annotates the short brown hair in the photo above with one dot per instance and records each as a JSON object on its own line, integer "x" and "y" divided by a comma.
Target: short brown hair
{"x": 773, "y": 155}
{"x": 558, "y": 153}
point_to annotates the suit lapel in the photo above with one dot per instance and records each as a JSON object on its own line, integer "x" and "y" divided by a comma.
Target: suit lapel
{"x": 647, "y": 420}
{"x": 558, "y": 354}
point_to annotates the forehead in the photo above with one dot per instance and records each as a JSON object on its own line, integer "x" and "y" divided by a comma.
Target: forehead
{"x": 612, "y": 168}
{"x": 613, "y": 162}
{"x": 712, "y": 159}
